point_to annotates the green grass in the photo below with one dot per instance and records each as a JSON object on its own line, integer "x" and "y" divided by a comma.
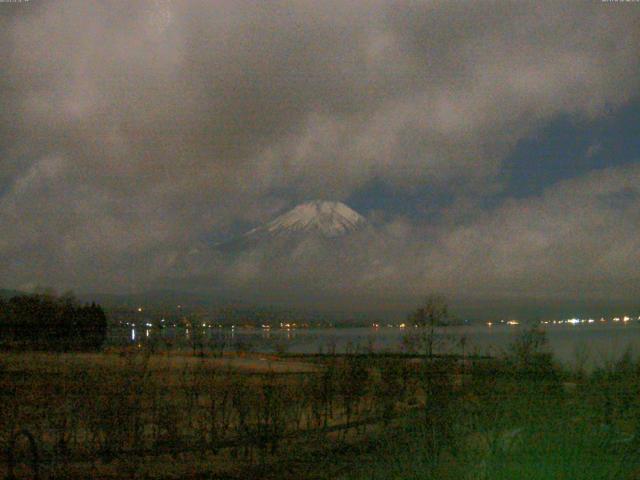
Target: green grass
{"x": 514, "y": 432}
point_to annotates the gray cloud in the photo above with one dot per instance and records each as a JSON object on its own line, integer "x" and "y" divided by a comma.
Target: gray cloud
{"x": 128, "y": 132}
{"x": 577, "y": 240}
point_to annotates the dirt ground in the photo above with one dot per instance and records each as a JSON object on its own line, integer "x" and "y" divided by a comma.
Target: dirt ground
{"x": 51, "y": 362}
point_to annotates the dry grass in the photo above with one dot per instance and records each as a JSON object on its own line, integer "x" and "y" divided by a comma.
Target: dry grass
{"x": 115, "y": 412}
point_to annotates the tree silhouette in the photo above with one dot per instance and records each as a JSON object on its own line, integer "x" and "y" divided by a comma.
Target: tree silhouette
{"x": 432, "y": 313}
{"x": 46, "y": 322}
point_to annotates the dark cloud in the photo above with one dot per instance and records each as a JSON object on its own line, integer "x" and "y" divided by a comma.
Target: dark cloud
{"x": 128, "y": 132}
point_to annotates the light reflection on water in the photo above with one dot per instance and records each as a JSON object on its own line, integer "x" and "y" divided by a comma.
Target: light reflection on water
{"x": 596, "y": 344}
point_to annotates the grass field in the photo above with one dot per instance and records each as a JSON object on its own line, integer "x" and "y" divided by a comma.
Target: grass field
{"x": 558, "y": 441}
{"x": 135, "y": 415}
{"x": 105, "y": 411}
{"x": 510, "y": 424}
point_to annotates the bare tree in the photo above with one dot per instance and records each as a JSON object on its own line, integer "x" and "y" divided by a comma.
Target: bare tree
{"x": 432, "y": 313}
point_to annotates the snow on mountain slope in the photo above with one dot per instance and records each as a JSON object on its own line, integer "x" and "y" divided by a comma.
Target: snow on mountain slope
{"x": 330, "y": 219}
{"x": 318, "y": 243}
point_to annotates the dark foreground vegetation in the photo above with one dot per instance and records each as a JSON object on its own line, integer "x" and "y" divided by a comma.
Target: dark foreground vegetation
{"x": 130, "y": 414}
{"x": 47, "y": 322}
{"x": 133, "y": 413}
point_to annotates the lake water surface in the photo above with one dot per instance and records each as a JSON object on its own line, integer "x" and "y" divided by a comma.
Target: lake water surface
{"x": 591, "y": 344}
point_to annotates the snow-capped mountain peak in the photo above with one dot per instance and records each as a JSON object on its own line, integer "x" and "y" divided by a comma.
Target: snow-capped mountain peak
{"x": 330, "y": 219}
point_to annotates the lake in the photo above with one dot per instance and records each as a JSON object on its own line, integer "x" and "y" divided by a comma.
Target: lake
{"x": 590, "y": 344}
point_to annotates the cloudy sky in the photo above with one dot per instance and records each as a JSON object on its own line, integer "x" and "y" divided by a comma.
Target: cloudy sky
{"x": 497, "y": 143}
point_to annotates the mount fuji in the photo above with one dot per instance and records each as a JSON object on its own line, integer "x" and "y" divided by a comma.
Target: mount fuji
{"x": 319, "y": 217}
{"x": 317, "y": 245}
{"x": 327, "y": 222}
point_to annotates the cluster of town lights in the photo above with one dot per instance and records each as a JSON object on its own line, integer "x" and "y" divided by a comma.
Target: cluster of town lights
{"x": 291, "y": 325}
{"x": 577, "y": 321}
{"x": 572, "y": 321}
